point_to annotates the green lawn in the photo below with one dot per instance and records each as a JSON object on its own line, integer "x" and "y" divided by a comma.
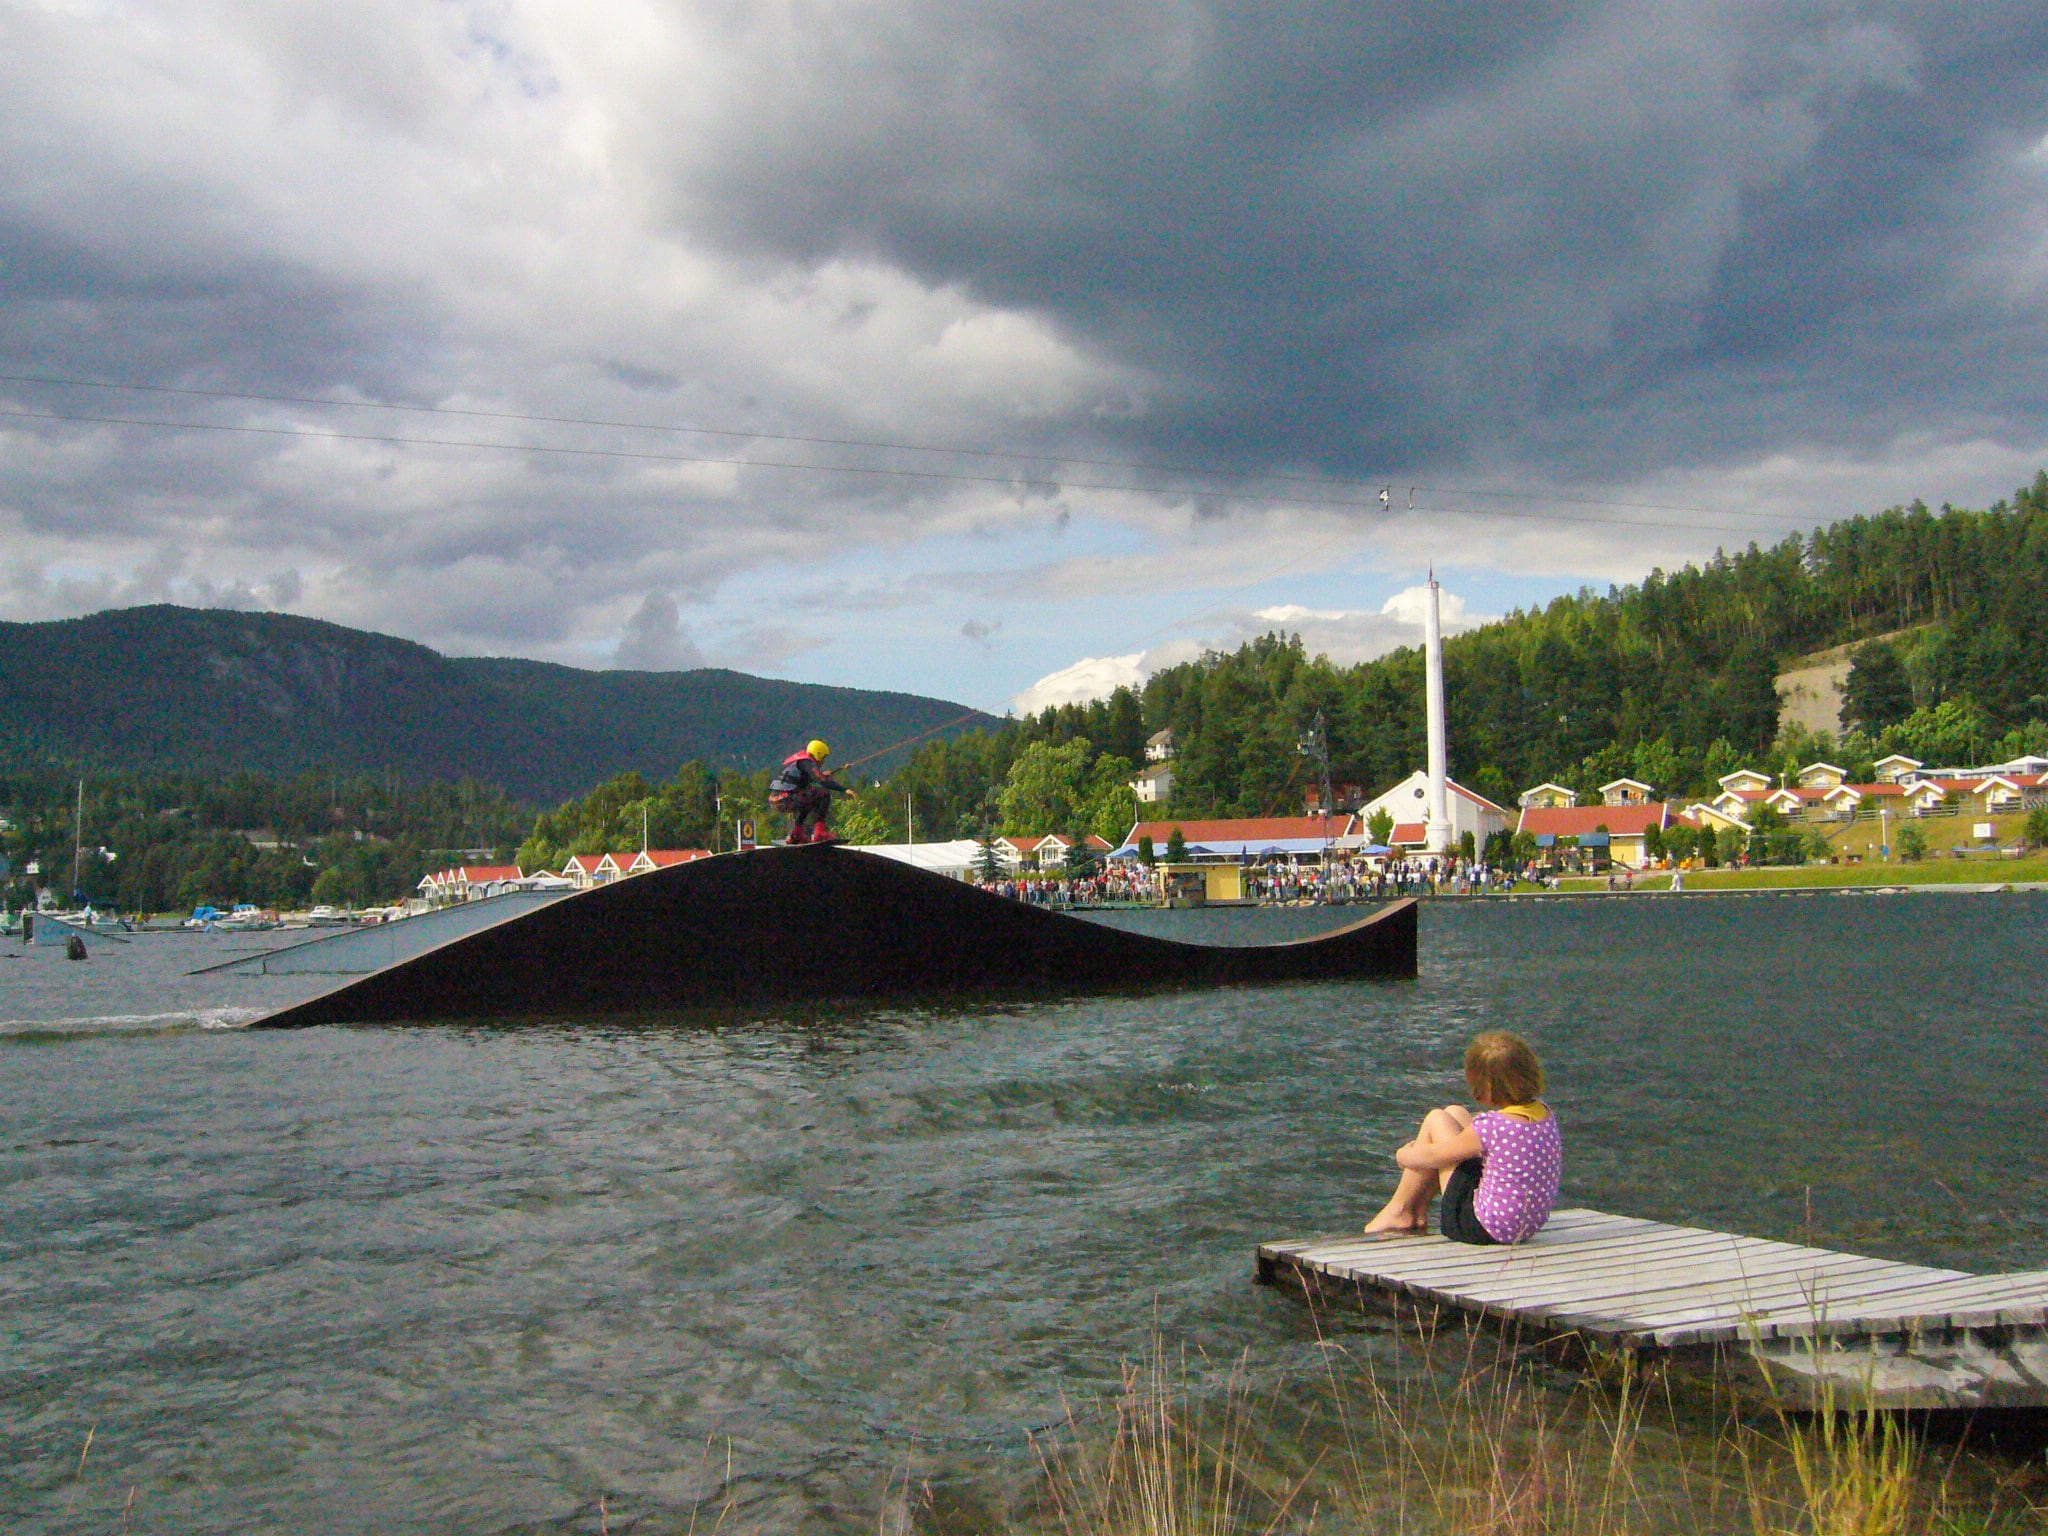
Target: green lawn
{"x": 1926, "y": 872}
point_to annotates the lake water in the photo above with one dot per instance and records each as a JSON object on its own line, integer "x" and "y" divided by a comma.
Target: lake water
{"x": 472, "y": 1279}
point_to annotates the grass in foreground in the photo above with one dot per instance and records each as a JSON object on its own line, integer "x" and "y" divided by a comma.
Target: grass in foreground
{"x": 1495, "y": 1445}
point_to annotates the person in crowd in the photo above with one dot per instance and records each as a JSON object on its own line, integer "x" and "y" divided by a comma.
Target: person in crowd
{"x": 803, "y": 791}
{"x": 1498, "y": 1170}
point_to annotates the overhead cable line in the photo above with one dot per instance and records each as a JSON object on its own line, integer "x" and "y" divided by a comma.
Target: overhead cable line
{"x": 1226, "y": 477}
{"x": 944, "y": 476}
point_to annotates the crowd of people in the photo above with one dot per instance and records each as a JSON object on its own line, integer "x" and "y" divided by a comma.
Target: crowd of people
{"x": 1126, "y": 882}
{"x": 1117, "y": 883}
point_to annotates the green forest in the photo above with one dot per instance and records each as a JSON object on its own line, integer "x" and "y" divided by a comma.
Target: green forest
{"x": 1670, "y": 680}
{"x": 170, "y": 842}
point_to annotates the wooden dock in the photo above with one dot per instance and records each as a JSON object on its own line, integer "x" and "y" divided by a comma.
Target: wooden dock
{"x": 1814, "y": 1324}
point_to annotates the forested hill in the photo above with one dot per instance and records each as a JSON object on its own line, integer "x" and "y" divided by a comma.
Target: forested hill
{"x": 1671, "y": 680}
{"x": 168, "y": 688}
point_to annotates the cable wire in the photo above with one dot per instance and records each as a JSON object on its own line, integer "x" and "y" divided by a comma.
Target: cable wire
{"x": 882, "y": 472}
{"x": 1224, "y": 477}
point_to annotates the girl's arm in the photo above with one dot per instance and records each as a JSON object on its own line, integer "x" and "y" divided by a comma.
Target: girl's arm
{"x": 1427, "y": 1156}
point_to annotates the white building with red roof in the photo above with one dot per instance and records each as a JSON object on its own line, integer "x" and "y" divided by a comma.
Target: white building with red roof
{"x": 469, "y": 882}
{"x": 648, "y": 860}
{"x": 1408, "y": 803}
{"x": 584, "y": 870}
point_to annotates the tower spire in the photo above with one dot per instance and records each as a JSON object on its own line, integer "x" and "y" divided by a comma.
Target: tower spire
{"x": 1437, "y": 834}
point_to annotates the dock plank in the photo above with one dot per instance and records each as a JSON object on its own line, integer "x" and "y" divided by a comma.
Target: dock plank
{"x": 1654, "y": 1286}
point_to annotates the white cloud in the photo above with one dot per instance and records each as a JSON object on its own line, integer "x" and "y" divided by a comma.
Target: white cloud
{"x": 1092, "y": 677}
{"x": 1411, "y": 606}
{"x": 1346, "y": 636}
{"x": 654, "y": 640}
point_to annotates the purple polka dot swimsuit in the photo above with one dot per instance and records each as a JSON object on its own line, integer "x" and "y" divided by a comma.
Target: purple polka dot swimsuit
{"x": 1519, "y": 1185}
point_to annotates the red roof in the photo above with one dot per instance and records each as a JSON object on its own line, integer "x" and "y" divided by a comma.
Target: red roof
{"x": 1863, "y": 791}
{"x": 1578, "y": 820}
{"x": 1406, "y": 832}
{"x": 587, "y": 862}
{"x": 484, "y": 874}
{"x": 663, "y": 858}
{"x": 1245, "y": 829}
{"x": 1477, "y": 799}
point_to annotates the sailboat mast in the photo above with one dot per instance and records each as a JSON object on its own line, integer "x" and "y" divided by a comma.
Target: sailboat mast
{"x": 78, "y": 840}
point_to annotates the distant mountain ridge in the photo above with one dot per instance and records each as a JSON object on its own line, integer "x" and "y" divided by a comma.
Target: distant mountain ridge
{"x": 192, "y": 688}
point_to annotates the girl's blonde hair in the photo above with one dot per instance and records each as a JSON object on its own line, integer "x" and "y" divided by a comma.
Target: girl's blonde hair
{"x": 1501, "y": 1069}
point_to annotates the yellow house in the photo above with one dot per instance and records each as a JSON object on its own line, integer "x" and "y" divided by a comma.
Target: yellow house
{"x": 1201, "y": 882}
{"x": 1716, "y": 817}
{"x": 1626, "y": 792}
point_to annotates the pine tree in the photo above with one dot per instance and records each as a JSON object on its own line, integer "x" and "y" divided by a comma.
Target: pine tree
{"x": 988, "y": 860}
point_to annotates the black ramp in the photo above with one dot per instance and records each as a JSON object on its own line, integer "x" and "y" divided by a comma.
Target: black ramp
{"x": 811, "y": 922}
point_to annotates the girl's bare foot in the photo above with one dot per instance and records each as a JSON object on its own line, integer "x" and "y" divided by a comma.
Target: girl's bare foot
{"x": 1393, "y": 1225}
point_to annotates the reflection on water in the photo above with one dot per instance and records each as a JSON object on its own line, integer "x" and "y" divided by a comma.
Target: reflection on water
{"x": 475, "y": 1278}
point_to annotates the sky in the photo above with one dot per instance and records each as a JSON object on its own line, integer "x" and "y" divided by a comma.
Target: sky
{"x": 1000, "y": 352}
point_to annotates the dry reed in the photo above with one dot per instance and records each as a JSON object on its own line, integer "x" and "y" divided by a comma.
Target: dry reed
{"x": 1474, "y": 1436}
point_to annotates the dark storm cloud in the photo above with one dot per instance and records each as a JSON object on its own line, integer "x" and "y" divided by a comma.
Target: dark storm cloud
{"x": 1757, "y": 258}
{"x": 1359, "y": 236}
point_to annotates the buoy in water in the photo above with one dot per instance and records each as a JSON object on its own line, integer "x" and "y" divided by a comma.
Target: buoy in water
{"x": 74, "y": 947}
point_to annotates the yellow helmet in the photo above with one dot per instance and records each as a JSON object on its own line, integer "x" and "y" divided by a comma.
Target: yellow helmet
{"x": 819, "y": 750}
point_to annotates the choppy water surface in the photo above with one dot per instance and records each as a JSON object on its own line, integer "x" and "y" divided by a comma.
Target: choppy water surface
{"x": 474, "y": 1279}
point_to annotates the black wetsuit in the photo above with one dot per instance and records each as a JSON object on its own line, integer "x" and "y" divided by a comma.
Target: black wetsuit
{"x": 803, "y": 790}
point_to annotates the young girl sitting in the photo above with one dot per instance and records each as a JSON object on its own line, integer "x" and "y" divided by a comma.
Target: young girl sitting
{"x": 1497, "y": 1170}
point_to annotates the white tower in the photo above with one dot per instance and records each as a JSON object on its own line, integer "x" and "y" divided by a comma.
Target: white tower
{"x": 1438, "y": 832}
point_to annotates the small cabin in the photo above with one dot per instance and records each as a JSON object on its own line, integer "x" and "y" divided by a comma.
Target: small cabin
{"x": 1626, "y": 792}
